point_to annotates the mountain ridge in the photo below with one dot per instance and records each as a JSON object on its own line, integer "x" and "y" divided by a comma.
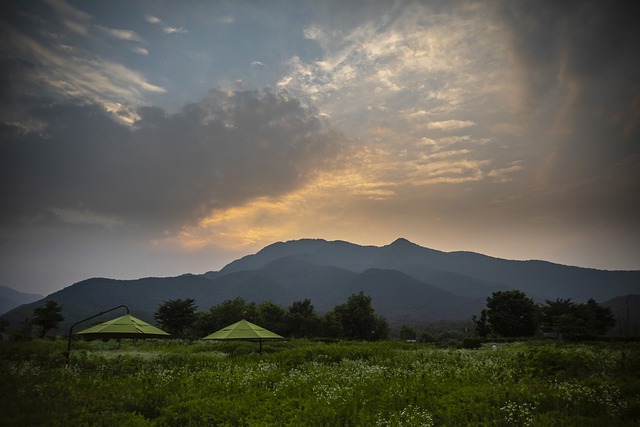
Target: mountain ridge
{"x": 11, "y": 298}
{"x": 408, "y": 283}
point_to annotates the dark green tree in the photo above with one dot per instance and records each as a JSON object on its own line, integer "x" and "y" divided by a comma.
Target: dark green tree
{"x": 331, "y": 325}
{"x": 561, "y": 318}
{"x": 598, "y": 318}
{"x": 407, "y": 333}
{"x": 177, "y": 316}
{"x": 272, "y": 317}
{"x": 512, "y": 314}
{"x": 427, "y": 338}
{"x": 359, "y": 320}
{"x": 301, "y": 320}
{"x": 47, "y": 317}
{"x": 482, "y": 326}
{"x": 567, "y": 319}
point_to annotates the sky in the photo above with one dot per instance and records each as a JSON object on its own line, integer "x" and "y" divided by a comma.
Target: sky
{"x": 156, "y": 138}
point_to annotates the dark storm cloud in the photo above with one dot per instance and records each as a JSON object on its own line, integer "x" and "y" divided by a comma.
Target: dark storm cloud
{"x": 167, "y": 169}
{"x": 583, "y": 57}
{"x": 580, "y": 67}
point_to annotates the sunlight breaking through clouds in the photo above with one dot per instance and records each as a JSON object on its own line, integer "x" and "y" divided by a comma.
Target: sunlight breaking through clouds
{"x": 320, "y": 207}
{"x": 425, "y": 61}
{"x": 505, "y": 127}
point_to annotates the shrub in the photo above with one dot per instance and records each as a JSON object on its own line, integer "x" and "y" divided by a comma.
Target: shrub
{"x": 471, "y": 343}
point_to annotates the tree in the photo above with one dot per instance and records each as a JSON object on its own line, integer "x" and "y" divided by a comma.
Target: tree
{"x": 177, "y": 316}
{"x": 407, "y": 333}
{"x": 47, "y": 317}
{"x": 301, "y": 319}
{"x": 512, "y": 314}
{"x": 599, "y": 318}
{"x": 482, "y": 326}
{"x": 272, "y": 317}
{"x": 331, "y": 325}
{"x": 427, "y": 338}
{"x": 569, "y": 320}
{"x": 359, "y": 320}
{"x": 560, "y": 317}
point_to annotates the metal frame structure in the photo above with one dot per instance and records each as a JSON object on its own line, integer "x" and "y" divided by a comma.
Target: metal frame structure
{"x": 68, "y": 352}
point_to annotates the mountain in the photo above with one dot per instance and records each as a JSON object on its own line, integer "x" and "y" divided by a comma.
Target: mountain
{"x": 463, "y": 273}
{"x": 10, "y": 298}
{"x": 408, "y": 283}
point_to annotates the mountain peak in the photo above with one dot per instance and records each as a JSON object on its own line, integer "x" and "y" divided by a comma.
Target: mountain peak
{"x": 401, "y": 241}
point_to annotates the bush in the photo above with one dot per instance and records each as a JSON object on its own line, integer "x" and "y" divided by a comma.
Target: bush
{"x": 471, "y": 343}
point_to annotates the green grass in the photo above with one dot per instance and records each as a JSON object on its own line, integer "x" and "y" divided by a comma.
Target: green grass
{"x": 306, "y": 383}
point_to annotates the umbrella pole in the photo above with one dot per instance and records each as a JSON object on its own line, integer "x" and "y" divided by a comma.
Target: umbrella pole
{"x": 68, "y": 352}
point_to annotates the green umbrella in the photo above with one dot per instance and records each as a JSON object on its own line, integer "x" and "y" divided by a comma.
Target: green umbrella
{"x": 244, "y": 330}
{"x": 126, "y": 326}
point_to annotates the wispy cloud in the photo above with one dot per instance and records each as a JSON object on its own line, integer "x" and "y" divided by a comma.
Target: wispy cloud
{"x": 120, "y": 34}
{"x": 85, "y": 217}
{"x": 453, "y": 124}
{"x": 73, "y": 72}
{"x": 419, "y": 74}
{"x": 168, "y": 29}
{"x": 153, "y": 19}
{"x": 503, "y": 175}
{"x": 174, "y": 30}
{"x": 140, "y": 50}
{"x": 72, "y": 17}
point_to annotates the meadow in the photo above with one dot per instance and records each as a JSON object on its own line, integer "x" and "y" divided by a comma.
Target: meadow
{"x": 308, "y": 383}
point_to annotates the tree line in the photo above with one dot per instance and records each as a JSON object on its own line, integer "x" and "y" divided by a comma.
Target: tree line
{"x": 355, "y": 319}
{"x": 509, "y": 314}
{"x": 512, "y": 314}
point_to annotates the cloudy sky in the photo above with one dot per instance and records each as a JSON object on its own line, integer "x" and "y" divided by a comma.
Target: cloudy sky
{"x": 155, "y": 138}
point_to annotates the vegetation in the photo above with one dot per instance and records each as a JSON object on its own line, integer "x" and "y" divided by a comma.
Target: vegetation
{"x": 407, "y": 333}
{"x": 302, "y": 382}
{"x": 356, "y": 319}
{"x": 47, "y": 317}
{"x": 568, "y": 319}
{"x": 177, "y": 316}
{"x": 359, "y": 320}
{"x": 512, "y": 314}
{"x": 301, "y": 320}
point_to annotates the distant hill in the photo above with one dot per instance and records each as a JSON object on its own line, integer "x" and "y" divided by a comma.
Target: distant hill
{"x": 10, "y": 298}
{"x": 408, "y": 283}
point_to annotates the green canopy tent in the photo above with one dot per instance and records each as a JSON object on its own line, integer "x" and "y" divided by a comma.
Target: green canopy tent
{"x": 125, "y": 326}
{"x": 246, "y": 331}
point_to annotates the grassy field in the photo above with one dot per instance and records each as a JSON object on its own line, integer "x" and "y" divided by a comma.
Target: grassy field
{"x": 304, "y": 383}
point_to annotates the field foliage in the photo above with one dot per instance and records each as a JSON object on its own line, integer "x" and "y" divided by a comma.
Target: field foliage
{"x": 306, "y": 383}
